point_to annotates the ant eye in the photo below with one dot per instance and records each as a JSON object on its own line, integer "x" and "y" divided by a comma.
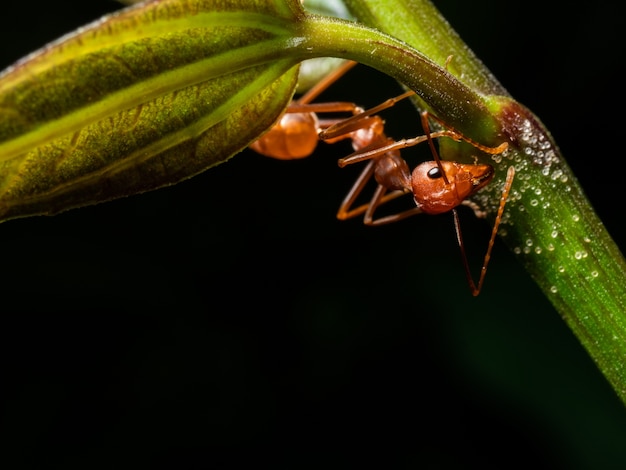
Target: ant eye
{"x": 434, "y": 172}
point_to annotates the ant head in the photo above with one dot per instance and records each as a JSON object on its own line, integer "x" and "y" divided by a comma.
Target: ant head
{"x": 435, "y": 196}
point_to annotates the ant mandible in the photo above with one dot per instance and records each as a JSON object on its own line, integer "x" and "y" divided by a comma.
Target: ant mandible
{"x": 438, "y": 186}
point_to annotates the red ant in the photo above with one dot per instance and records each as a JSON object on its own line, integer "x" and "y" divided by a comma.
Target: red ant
{"x": 437, "y": 186}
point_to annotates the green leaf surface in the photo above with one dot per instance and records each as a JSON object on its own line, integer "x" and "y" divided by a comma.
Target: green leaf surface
{"x": 140, "y": 99}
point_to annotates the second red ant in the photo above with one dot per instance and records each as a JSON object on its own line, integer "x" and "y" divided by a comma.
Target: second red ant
{"x": 437, "y": 186}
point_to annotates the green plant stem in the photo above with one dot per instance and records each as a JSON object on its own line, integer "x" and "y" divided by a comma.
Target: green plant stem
{"x": 552, "y": 227}
{"x": 445, "y": 94}
{"x": 433, "y": 36}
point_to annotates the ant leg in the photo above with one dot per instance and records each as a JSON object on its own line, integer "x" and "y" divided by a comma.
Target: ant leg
{"x": 327, "y": 107}
{"x": 345, "y": 210}
{"x": 378, "y": 200}
{"x": 458, "y": 136}
{"x": 355, "y": 122}
{"x": 304, "y": 105}
{"x": 325, "y": 82}
{"x": 459, "y": 236}
{"x": 366, "y": 154}
{"x": 431, "y": 144}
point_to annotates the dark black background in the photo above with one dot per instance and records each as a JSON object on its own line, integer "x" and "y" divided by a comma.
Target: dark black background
{"x": 231, "y": 318}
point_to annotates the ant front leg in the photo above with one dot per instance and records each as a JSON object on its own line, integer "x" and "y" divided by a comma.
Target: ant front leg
{"x": 454, "y": 134}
